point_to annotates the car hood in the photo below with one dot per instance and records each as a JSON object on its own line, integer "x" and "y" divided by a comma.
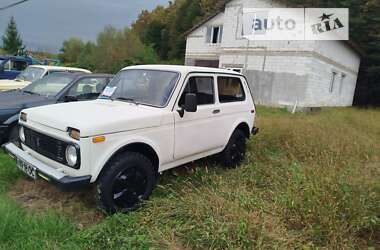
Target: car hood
{"x": 12, "y": 84}
{"x": 96, "y": 117}
{"x": 16, "y": 99}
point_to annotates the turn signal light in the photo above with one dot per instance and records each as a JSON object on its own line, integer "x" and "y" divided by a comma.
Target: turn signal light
{"x": 23, "y": 116}
{"x": 74, "y": 133}
{"x": 98, "y": 139}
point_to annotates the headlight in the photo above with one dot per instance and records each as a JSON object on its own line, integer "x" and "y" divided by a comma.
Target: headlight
{"x": 23, "y": 116}
{"x": 22, "y": 133}
{"x": 71, "y": 155}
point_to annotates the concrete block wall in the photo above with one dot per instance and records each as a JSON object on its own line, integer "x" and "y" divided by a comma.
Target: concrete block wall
{"x": 319, "y": 81}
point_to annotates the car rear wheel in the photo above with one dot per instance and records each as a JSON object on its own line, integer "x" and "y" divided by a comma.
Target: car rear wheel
{"x": 234, "y": 153}
{"x": 127, "y": 182}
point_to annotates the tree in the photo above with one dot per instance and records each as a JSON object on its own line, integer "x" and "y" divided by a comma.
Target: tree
{"x": 71, "y": 50}
{"x": 12, "y": 42}
{"x": 113, "y": 50}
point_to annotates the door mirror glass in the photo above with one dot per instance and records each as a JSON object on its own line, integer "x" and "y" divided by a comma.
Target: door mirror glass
{"x": 191, "y": 102}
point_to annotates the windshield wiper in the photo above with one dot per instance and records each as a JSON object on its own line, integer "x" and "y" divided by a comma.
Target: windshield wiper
{"x": 30, "y": 92}
{"x": 126, "y": 99}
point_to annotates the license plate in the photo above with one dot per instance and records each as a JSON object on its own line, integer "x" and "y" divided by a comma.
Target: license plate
{"x": 27, "y": 169}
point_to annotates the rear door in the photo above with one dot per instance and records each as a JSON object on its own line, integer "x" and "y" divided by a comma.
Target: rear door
{"x": 195, "y": 132}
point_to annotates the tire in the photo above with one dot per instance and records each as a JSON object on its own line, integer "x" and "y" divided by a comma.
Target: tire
{"x": 128, "y": 180}
{"x": 234, "y": 153}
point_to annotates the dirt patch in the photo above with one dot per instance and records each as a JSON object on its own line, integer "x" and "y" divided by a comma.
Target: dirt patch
{"x": 40, "y": 196}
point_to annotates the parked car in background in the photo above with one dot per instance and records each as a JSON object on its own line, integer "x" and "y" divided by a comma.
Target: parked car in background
{"x": 148, "y": 119}
{"x": 34, "y": 72}
{"x": 11, "y": 66}
{"x": 54, "y": 88}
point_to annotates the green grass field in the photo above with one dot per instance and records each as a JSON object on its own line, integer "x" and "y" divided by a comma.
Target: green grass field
{"x": 310, "y": 181}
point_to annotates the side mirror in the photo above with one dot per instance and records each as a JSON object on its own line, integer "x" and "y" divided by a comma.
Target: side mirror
{"x": 191, "y": 103}
{"x": 189, "y": 106}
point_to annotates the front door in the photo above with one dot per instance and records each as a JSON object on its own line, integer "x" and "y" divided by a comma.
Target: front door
{"x": 194, "y": 131}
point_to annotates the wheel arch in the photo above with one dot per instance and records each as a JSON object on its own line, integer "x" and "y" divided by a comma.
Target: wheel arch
{"x": 138, "y": 147}
{"x": 242, "y": 125}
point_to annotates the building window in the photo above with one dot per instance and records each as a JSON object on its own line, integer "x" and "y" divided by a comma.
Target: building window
{"x": 332, "y": 81}
{"x": 342, "y": 78}
{"x": 214, "y": 34}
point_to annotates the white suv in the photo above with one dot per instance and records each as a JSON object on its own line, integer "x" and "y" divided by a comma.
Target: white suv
{"x": 149, "y": 119}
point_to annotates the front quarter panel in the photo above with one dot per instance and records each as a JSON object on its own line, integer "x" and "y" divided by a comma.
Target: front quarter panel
{"x": 160, "y": 138}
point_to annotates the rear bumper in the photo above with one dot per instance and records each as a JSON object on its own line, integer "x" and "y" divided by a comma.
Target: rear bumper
{"x": 255, "y": 131}
{"x": 48, "y": 173}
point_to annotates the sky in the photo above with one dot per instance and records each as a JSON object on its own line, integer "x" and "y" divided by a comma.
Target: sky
{"x": 45, "y": 24}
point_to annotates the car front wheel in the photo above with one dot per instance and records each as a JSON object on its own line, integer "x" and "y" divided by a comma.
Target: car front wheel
{"x": 128, "y": 180}
{"x": 234, "y": 152}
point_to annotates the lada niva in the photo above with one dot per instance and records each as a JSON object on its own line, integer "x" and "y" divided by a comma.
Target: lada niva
{"x": 147, "y": 120}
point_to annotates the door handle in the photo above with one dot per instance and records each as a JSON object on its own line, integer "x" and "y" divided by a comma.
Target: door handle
{"x": 216, "y": 111}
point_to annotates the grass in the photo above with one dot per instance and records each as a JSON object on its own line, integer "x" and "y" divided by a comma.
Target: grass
{"x": 310, "y": 181}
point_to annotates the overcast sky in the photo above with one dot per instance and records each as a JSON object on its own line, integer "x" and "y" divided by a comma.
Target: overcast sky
{"x": 45, "y": 24}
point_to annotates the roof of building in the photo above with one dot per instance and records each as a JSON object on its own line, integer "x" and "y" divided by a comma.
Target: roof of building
{"x": 47, "y": 67}
{"x": 183, "y": 69}
{"x": 350, "y": 43}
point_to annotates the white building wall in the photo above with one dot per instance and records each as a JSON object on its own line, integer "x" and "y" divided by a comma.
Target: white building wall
{"x": 196, "y": 46}
{"x": 329, "y": 57}
{"x": 311, "y": 62}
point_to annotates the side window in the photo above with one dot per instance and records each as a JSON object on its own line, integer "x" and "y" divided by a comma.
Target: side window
{"x": 203, "y": 87}
{"x": 18, "y": 65}
{"x": 54, "y": 71}
{"x": 230, "y": 89}
{"x": 88, "y": 88}
{"x": 7, "y": 65}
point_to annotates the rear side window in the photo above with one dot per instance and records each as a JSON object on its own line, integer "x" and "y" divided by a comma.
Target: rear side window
{"x": 203, "y": 87}
{"x": 19, "y": 65}
{"x": 230, "y": 89}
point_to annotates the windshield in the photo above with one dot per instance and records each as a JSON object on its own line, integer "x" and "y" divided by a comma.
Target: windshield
{"x": 30, "y": 74}
{"x": 151, "y": 87}
{"x": 50, "y": 85}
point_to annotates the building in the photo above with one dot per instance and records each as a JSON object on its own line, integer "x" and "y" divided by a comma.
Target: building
{"x": 281, "y": 73}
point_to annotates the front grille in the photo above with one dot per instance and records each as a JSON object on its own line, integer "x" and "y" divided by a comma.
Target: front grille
{"x": 47, "y": 146}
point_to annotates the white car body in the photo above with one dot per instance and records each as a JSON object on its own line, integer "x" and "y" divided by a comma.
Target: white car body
{"x": 19, "y": 84}
{"x": 174, "y": 139}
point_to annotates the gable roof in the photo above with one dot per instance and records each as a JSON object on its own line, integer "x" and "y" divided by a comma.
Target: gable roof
{"x": 354, "y": 46}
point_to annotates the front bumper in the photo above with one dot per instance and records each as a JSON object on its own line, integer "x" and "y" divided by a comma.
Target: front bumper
{"x": 46, "y": 172}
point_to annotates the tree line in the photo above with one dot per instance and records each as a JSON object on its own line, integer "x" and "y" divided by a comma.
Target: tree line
{"x": 156, "y": 36}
